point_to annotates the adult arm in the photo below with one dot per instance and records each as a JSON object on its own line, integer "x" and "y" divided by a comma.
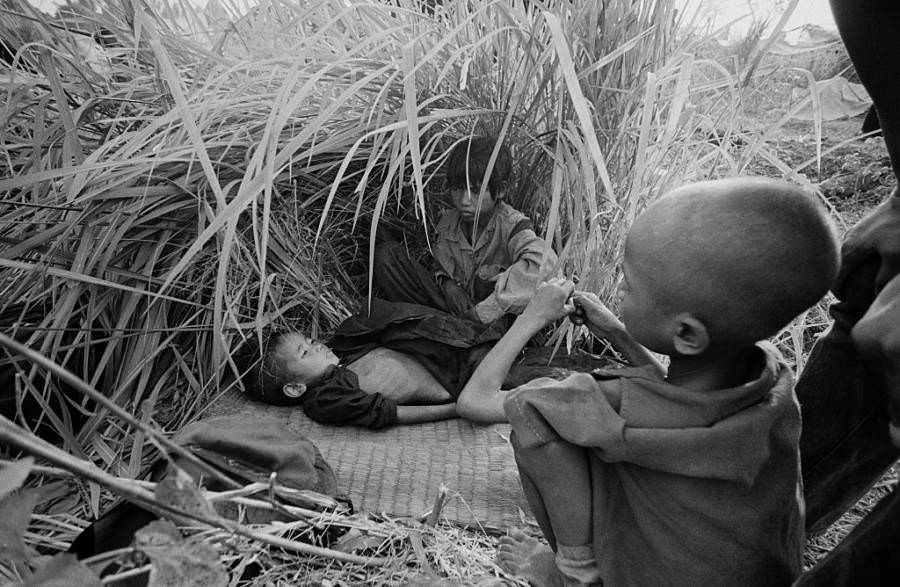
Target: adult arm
{"x": 531, "y": 257}
{"x": 481, "y": 399}
{"x": 603, "y": 323}
{"x": 872, "y": 45}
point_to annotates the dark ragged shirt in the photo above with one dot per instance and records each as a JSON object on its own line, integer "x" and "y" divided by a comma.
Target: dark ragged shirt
{"x": 337, "y": 399}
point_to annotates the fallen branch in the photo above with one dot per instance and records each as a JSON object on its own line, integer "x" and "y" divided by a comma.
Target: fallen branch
{"x": 134, "y": 492}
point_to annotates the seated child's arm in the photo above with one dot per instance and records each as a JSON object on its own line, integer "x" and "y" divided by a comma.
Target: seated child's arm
{"x": 418, "y": 414}
{"x": 481, "y": 399}
{"x": 603, "y": 323}
{"x": 515, "y": 286}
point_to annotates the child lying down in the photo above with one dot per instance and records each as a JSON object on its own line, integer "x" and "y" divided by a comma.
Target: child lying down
{"x": 400, "y": 364}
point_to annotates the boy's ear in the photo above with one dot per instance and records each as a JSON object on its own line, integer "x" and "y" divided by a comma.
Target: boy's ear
{"x": 294, "y": 389}
{"x": 691, "y": 337}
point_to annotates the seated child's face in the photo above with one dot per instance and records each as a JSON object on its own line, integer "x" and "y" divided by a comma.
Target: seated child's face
{"x": 467, "y": 202}
{"x": 640, "y": 308}
{"x": 303, "y": 359}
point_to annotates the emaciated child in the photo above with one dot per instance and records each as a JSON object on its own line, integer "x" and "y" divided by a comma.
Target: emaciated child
{"x": 396, "y": 364}
{"x": 688, "y": 475}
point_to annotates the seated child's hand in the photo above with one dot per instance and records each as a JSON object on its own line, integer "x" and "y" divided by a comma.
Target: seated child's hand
{"x": 550, "y": 301}
{"x": 600, "y": 318}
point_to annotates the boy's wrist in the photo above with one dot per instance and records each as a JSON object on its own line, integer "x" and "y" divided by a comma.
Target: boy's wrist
{"x": 529, "y": 323}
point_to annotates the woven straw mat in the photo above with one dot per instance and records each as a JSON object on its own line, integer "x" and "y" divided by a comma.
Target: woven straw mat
{"x": 399, "y": 471}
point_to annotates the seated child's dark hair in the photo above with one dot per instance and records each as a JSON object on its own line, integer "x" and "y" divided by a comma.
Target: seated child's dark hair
{"x": 473, "y": 156}
{"x": 262, "y": 376}
{"x": 749, "y": 254}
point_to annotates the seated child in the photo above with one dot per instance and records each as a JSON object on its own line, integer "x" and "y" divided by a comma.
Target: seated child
{"x": 398, "y": 364}
{"x": 688, "y": 475}
{"x": 488, "y": 259}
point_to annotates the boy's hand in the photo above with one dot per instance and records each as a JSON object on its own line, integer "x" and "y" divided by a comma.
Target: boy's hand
{"x": 550, "y": 302}
{"x": 597, "y": 316}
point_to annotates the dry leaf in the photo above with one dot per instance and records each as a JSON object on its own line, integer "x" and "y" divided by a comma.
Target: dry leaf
{"x": 185, "y": 565}
{"x": 176, "y": 562}
{"x": 13, "y": 475}
{"x": 158, "y": 533}
{"x": 15, "y": 512}
{"x": 63, "y": 570}
{"x": 179, "y": 491}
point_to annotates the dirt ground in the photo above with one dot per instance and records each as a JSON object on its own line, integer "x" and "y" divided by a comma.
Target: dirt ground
{"x": 853, "y": 177}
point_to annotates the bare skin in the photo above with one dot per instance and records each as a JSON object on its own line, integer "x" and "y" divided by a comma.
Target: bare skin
{"x": 524, "y": 556}
{"x": 398, "y": 377}
{"x": 420, "y": 397}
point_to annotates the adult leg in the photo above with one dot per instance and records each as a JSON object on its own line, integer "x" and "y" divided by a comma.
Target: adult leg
{"x": 867, "y": 556}
{"x": 869, "y": 31}
{"x": 845, "y": 445}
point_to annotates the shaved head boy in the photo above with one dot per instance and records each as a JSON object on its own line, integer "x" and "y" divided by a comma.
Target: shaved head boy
{"x": 686, "y": 475}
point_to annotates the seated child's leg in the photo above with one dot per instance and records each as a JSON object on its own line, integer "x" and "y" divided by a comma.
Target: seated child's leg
{"x": 397, "y": 278}
{"x": 557, "y": 484}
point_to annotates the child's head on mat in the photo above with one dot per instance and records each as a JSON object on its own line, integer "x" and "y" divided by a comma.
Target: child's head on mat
{"x": 290, "y": 361}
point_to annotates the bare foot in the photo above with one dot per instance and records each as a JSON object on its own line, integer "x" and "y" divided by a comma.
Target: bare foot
{"x": 522, "y": 555}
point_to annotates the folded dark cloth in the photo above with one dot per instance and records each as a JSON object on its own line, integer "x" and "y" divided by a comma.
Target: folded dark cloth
{"x": 248, "y": 451}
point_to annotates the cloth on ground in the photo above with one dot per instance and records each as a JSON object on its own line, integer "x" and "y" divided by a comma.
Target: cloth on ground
{"x": 246, "y": 449}
{"x": 251, "y": 450}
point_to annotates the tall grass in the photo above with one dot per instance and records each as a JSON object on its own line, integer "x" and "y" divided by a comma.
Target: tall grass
{"x": 203, "y": 176}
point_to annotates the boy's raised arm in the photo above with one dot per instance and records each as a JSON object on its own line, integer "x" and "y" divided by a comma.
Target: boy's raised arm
{"x": 481, "y": 400}
{"x": 603, "y": 323}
